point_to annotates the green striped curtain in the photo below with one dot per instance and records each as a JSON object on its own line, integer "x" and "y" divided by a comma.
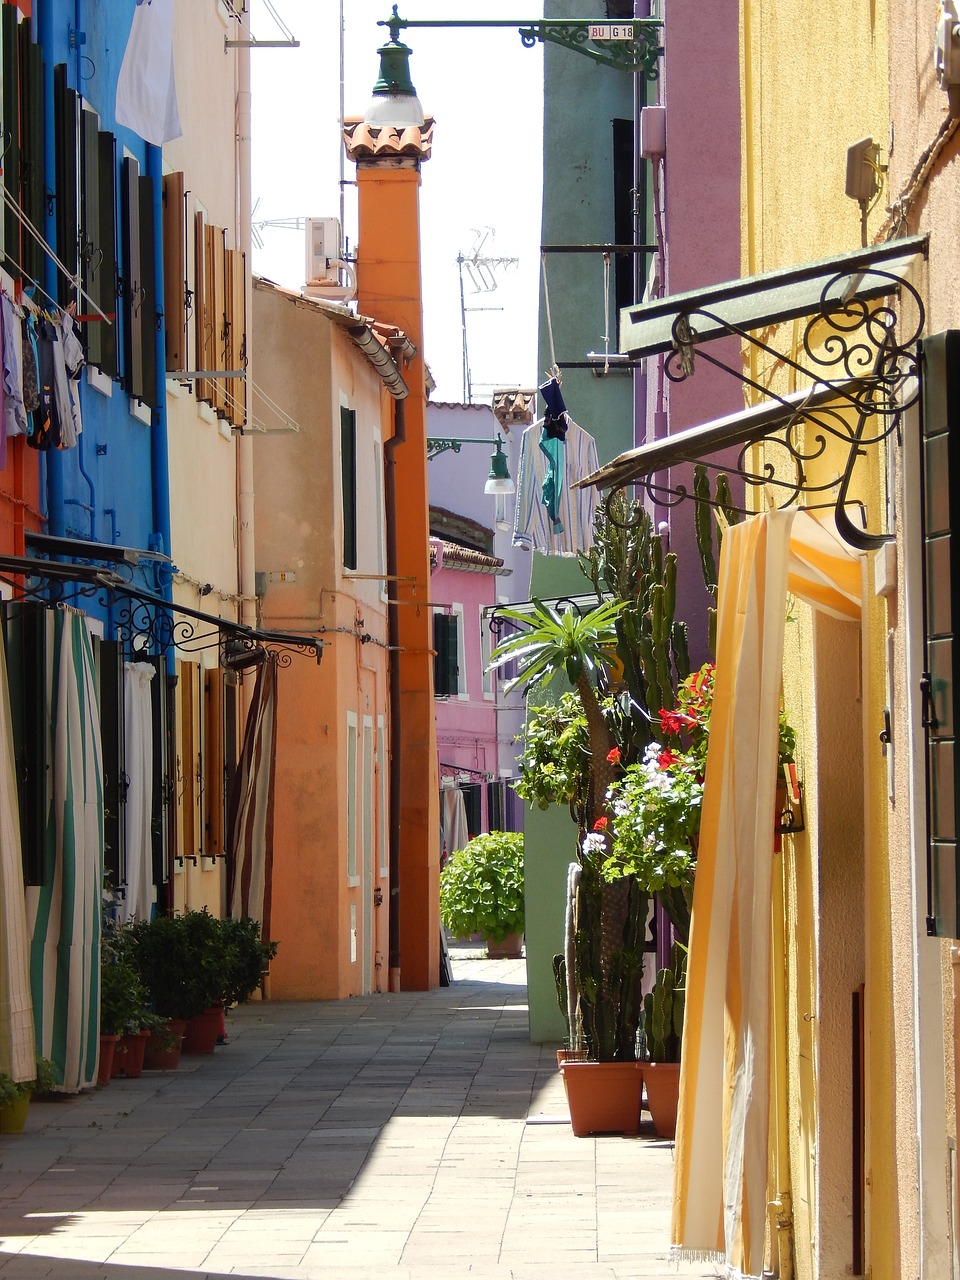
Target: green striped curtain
{"x": 65, "y": 910}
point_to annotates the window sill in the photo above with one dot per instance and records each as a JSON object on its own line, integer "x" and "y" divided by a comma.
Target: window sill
{"x": 99, "y": 381}
{"x": 142, "y": 412}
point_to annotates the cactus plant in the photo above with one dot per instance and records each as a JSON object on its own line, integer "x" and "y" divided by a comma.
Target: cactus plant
{"x": 663, "y": 1009}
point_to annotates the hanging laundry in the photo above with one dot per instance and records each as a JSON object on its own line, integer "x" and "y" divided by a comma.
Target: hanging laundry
{"x": 550, "y": 516}
{"x": 31, "y": 379}
{"x": 15, "y": 416}
{"x": 54, "y": 392}
{"x": 74, "y": 361}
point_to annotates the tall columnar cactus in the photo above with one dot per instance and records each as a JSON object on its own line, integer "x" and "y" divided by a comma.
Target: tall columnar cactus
{"x": 628, "y": 561}
{"x": 663, "y": 1009}
{"x": 608, "y": 924}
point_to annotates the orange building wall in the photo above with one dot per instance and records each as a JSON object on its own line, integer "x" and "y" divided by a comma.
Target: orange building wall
{"x": 19, "y": 497}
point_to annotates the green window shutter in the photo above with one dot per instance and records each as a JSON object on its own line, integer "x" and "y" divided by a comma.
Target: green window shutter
{"x": 133, "y": 296}
{"x": 90, "y": 228}
{"x": 940, "y": 506}
{"x": 446, "y": 669}
{"x": 66, "y": 114}
{"x": 105, "y": 262}
{"x": 348, "y": 485}
{"x": 11, "y": 134}
{"x": 33, "y": 187}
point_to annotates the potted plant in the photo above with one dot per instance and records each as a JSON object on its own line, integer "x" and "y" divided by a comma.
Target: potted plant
{"x": 15, "y": 1095}
{"x": 481, "y": 891}
{"x": 124, "y": 1011}
{"x": 662, "y": 1032}
{"x": 181, "y": 960}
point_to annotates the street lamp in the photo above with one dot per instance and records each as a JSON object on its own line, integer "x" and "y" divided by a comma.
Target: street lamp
{"x": 499, "y": 479}
{"x": 395, "y": 103}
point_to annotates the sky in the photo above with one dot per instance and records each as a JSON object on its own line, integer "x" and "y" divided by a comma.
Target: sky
{"x": 480, "y": 192}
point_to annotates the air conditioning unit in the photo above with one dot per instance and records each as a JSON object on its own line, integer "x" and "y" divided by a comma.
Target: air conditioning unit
{"x": 323, "y": 249}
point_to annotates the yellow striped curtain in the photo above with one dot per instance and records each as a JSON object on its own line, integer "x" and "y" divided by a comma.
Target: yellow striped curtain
{"x": 720, "y": 1189}
{"x": 17, "y": 1049}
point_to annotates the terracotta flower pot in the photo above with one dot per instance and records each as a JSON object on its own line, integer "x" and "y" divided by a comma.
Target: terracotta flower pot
{"x": 603, "y": 1097}
{"x": 202, "y": 1031}
{"x": 13, "y": 1115}
{"x": 159, "y": 1054}
{"x": 662, "y": 1080}
{"x": 511, "y": 948}
{"x": 129, "y": 1054}
{"x": 108, "y": 1047}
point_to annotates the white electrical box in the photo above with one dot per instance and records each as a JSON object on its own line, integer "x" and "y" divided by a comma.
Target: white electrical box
{"x": 323, "y": 249}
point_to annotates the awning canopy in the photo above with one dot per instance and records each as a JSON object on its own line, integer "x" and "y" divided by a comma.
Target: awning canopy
{"x": 855, "y": 361}
{"x": 141, "y": 616}
{"x": 739, "y": 306}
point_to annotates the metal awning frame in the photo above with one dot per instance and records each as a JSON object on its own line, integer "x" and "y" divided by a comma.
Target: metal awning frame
{"x": 147, "y": 623}
{"x": 853, "y": 332}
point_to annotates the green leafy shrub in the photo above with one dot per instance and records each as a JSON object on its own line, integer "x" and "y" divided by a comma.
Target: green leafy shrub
{"x": 247, "y": 957}
{"x": 481, "y": 887}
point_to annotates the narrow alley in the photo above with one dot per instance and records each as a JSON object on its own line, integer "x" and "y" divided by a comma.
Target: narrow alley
{"x": 415, "y": 1135}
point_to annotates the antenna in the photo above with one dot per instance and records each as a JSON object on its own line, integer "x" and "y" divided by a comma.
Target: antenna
{"x": 480, "y": 271}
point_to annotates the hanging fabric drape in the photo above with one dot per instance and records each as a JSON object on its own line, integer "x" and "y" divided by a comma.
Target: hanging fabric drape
{"x": 137, "y": 902}
{"x": 64, "y": 913}
{"x": 17, "y": 1044}
{"x": 720, "y": 1189}
{"x": 455, "y": 832}
{"x": 146, "y": 87}
{"x": 250, "y": 826}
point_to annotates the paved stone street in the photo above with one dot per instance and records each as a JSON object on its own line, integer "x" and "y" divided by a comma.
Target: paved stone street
{"x": 411, "y": 1136}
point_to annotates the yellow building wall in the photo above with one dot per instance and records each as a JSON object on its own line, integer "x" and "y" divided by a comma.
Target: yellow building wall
{"x": 812, "y": 84}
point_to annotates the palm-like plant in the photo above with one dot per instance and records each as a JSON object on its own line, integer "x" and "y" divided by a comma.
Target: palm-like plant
{"x": 580, "y": 645}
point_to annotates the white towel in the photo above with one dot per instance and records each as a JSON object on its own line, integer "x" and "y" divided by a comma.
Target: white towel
{"x": 146, "y": 89}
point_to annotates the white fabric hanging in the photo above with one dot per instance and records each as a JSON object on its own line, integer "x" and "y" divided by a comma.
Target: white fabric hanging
{"x": 138, "y": 810}
{"x": 532, "y": 528}
{"x": 147, "y": 89}
{"x": 455, "y": 831}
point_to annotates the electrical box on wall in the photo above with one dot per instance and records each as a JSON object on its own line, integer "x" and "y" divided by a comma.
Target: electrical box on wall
{"x": 323, "y": 249}
{"x": 653, "y": 132}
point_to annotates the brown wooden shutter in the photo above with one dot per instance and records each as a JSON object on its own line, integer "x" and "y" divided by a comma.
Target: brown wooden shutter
{"x": 175, "y": 270}
{"x": 216, "y": 252}
{"x": 236, "y": 334}
{"x": 200, "y": 312}
{"x": 147, "y": 315}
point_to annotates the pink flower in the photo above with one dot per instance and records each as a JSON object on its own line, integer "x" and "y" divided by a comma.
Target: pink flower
{"x": 613, "y": 757}
{"x": 601, "y": 824}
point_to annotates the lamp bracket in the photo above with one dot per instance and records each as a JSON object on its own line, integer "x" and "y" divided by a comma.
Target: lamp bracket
{"x": 452, "y": 444}
{"x": 629, "y": 45}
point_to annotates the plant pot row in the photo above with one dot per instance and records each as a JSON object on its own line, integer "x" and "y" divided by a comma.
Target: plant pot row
{"x": 160, "y": 1050}
{"x": 607, "y": 1097}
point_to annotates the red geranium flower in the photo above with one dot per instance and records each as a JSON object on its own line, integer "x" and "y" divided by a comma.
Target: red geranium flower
{"x": 666, "y": 758}
{"x": 613, "y": 757}
{"x": 601, "y": 824}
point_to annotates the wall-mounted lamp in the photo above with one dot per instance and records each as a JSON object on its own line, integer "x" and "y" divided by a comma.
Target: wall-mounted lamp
{"x": 498, "y": 481}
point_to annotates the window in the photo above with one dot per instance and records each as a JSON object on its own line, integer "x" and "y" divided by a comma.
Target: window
{"x": 940, "y": 512}
{"x": 446, "y": 661}
{"x": 348, "y": 485}
{"x": 352, "y": 781}
{"x": 139, "y": 283}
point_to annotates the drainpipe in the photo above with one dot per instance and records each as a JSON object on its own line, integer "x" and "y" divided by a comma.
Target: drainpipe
{"x": 159, "y": 454}
{"x": 246, "y": 551}
{"x": 393, "y": 638}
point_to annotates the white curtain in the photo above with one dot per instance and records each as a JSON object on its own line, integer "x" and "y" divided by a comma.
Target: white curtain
{"x": 138, "y": 810}
{"x": 455, "y": 832}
